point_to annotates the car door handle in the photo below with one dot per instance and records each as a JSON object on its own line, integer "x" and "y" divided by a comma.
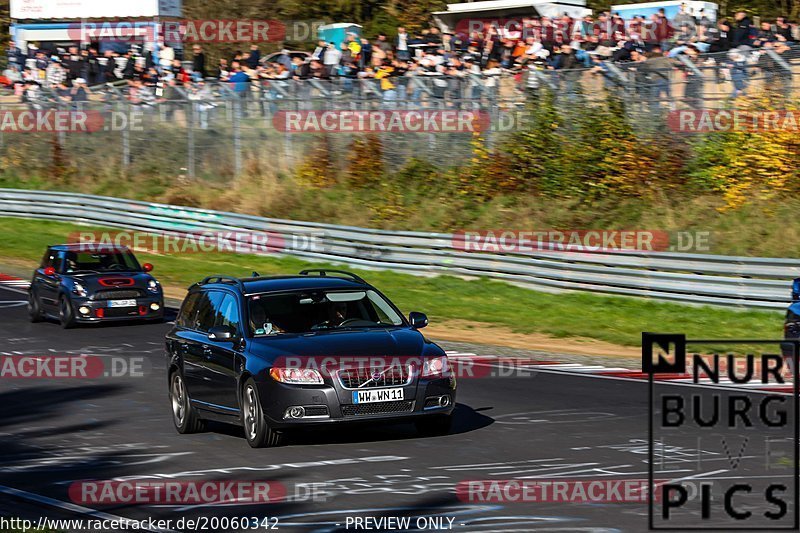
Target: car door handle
{"x": 207, "y": 351}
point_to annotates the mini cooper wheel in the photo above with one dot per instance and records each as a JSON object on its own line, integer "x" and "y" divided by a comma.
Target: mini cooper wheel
{"x": 34, "y": 309}
{"x": 434, "y": 425}
{"x": 256, "y": 430}
{"x": 184, "y": 415}
{"x": 65, "y": 313}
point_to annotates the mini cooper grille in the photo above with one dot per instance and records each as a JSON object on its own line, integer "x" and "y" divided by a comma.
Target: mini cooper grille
{"x": 118, "y": 294}
{"x": 402, "y": 406}
{"x": 366, "y": 378}
{"x": 118, "y": 312}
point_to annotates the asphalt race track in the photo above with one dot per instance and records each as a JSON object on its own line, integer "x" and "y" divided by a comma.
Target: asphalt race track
{"x": 534, "y": 425}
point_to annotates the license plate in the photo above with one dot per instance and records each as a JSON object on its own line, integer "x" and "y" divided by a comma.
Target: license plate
{"x": 377, "y": 395}
{"x": 122, "y": 303}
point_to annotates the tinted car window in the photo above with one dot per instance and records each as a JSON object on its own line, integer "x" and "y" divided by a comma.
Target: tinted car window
{"x": 188, "y": 311}
{"x": 228, "y": 313}
{"x": 207, "y": 309}
{"x": 49, "y": 259}
{"x": 301, "y": 311}
{"x": 101, "y": 261}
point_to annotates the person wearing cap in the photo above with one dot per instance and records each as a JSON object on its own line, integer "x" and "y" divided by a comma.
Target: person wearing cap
{"x": 55, "y": 74}
{"x": 79, "y": 92}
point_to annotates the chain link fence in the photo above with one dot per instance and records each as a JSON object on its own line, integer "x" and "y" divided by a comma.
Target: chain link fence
{"x": 213, "y": 130}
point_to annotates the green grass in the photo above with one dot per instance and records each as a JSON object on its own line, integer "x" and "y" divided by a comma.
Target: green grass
{"x": 613, "y": 319}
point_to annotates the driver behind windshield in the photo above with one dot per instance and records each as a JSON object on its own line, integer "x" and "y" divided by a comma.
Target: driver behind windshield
{"x": 338, "y": 313}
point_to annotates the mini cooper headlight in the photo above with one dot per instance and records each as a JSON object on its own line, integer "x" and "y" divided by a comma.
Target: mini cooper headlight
{"x": 78, "y": 289}
{"x": 152, "y": 285}
{"x": 296, "y": 376}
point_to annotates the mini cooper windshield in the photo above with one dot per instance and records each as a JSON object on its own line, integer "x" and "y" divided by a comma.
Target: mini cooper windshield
{"x": 304, "y": 311}
{"x": 105, "y": 261}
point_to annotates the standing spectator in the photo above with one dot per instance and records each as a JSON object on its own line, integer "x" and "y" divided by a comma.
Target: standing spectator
{"x": 684, "y": 18}
{"x": 239, "y": 80}
{"x": 777, "y": 80}
{"x": 331, "y": 59}
{"x": 55, "y": 75}
{"x": 223, "y": 71}
{"x": 742, "y": 33}
{"x": 693, "y": 87}
{"x": 16, "y": 57}
{"x": 401, "y": 45}
{"x": 74, "y": 63}
{"x": 198, "y": 62}
{"x": 738, "y": 72}
{"x": 764, "y": 35}
{"x": 366, "y": 53}
{"x": 389, "y": 89}
{"x": 79, "y": 92}
{"x": 301, "y": 70}
{"x": 783, "y": 29}
{"x": 166, "y": 55}
{"x": 254, "y": 57}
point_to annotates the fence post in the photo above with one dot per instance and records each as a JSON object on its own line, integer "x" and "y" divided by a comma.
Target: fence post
{"x": 237, "y": 139}
{"x": 126, "y": 136}
{"x": 190, "y": 158}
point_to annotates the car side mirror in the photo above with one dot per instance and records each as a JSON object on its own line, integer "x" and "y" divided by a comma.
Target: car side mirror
{"x": 417, "y": 320}
{"x": 147, "y": 267}
{"x": 221, "y": 334}
{"x": 50, "y": 271}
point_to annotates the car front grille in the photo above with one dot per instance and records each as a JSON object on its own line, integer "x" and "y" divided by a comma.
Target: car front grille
{"x": 365, "y": 378}
{"x": 118, "y": 294}
{"x": 378, "y": 408}
{"x": 119, "y": 312}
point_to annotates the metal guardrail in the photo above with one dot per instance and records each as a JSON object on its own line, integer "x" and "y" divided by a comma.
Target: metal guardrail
{"x": 748, "y": 282}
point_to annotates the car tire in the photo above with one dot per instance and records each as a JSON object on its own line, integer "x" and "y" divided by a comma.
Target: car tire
{"x": 65, "y": 314}
{"x": 184, "y": 415}
{"x": 34, "y": 308}
{"x": 434, "y": 425}
{"x": 256, "y": 430}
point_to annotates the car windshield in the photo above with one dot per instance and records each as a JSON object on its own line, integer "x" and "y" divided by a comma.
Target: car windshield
{"x": 304, "y": 311}
{"x": 109, "y": 261}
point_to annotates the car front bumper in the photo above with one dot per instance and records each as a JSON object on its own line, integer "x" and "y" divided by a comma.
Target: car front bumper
{"x": 87, "y": 310}
{"x": 331, "y": 403}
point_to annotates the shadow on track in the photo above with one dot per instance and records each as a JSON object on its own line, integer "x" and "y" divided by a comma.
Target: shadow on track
{"x": 466, "y": 419}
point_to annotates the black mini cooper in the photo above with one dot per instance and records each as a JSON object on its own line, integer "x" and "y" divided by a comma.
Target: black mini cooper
{"x": 322, "y": 347}
{"x": 79, "y": 283}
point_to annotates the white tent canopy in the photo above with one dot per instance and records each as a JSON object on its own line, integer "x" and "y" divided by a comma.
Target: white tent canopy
{"x": 507, "y": 9}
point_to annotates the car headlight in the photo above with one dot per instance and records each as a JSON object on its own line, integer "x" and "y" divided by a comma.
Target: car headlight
{"x": 435, "y": 367}
{"x": 296, "y": 376}
{"x": 78, "y": 289}
{"x": 152, "y": 285}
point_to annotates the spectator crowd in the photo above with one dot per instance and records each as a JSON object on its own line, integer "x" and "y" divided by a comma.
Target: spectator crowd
{"x": 537, "y": 50}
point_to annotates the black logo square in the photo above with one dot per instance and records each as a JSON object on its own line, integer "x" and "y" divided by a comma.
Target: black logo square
{"x": 663, "y": 353}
